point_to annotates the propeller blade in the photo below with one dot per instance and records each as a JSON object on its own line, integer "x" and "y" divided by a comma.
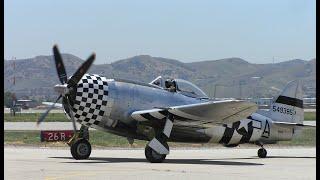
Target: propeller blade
{"x": 81, "y": 71}
{"x": 44, "y": 115}
{"x": 59, "y": 65}
{"x": 72, "y": 117}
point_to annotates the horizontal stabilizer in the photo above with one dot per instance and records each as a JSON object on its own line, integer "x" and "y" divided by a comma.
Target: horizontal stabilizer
{"x": 288, "y": 124}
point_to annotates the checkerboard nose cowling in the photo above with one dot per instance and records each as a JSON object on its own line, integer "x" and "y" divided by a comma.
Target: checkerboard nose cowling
{"x": 91, "y": 99}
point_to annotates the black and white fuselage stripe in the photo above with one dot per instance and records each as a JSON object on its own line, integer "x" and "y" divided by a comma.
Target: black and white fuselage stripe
{"x": 243, "y": 131}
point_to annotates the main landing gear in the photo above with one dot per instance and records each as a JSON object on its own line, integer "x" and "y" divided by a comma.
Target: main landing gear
{"x": 157, "y": 149}
{"x": 154, "y": 157}
{"x": 80, "y": 147}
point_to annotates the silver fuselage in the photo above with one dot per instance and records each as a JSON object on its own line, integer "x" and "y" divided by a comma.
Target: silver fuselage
{"x": 120, "y": 98}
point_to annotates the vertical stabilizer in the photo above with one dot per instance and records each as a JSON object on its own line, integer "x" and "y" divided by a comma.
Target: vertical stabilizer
{"x": 288, "y": 106}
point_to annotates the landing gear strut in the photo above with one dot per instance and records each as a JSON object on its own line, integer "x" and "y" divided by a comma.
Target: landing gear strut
{"x": 80, "y": 147}
{"x": 157, "y": 149}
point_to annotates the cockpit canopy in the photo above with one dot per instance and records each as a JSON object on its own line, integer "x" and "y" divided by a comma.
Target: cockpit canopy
{"x": 181, "y": 86}
{"x": 189, "y": 89}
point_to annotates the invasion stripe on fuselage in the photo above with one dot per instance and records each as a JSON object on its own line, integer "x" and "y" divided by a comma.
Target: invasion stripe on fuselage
{"x": 227, "y": 135}
{"x": 290, "y": 101}
{"x": 246, "y": 135}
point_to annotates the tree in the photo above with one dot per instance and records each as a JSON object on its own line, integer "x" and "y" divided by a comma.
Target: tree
{"x": 8, "y": 99}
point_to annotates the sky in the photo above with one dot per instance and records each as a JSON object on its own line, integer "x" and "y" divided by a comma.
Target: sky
{"x": 189, "y": 31}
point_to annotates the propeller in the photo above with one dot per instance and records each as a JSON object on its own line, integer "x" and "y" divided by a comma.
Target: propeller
{"x": 81, "y": 71}
{"x": 66, "y": 85}
{"x": 59, "y": 65}
{"x": 43, "y": 116}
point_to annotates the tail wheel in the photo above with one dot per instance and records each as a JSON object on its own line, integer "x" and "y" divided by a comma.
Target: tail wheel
{"x": 262, "y": 153}
{"x": 80, "y": 149}
{"x": 154, "y": 157}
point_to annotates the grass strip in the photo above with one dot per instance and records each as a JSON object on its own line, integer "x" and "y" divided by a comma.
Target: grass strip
{"x": 33, "y": 117}
{"x": 104, "y": 139}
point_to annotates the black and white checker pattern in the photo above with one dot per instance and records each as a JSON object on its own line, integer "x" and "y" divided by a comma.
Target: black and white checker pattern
{"x": 91, "y": 99}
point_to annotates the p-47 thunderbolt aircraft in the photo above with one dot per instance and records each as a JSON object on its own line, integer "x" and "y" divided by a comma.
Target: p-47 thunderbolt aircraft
{"x": 169, "y": 110}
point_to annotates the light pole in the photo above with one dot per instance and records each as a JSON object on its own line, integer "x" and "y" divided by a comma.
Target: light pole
{"x": 215, "y": 89}
{"x": 241, "y": 82}
{"x": 257, "y": 79}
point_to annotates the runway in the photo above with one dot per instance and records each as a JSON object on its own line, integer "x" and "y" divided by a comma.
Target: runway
{"x": 31, "y": 126}
{"x": 221, "y": 163}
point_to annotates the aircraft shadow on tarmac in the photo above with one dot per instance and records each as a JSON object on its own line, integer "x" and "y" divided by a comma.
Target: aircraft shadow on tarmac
{"x": 168, "y": 161}
{"x": 277, "y": 157}
{"x": 182, "y": 161}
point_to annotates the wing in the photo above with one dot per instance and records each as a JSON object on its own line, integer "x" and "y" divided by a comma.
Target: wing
{"x": 57, "y": 105}
{"x": 207, "y": 113}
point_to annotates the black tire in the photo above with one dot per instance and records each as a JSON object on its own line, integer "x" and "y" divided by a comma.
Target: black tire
{"x": 262, "y": 153}
{"x": 152, "y": 156}
{"x": 80, "y": 149}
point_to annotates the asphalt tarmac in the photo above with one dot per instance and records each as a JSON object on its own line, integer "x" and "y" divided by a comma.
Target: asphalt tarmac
{"x": 220, "y": 163}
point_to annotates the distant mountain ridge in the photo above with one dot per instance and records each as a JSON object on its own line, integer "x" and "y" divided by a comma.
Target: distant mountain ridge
{"x": 231, "y": 77}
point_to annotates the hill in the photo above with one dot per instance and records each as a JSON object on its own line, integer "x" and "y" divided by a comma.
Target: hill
{"x": 231, "y": 77}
